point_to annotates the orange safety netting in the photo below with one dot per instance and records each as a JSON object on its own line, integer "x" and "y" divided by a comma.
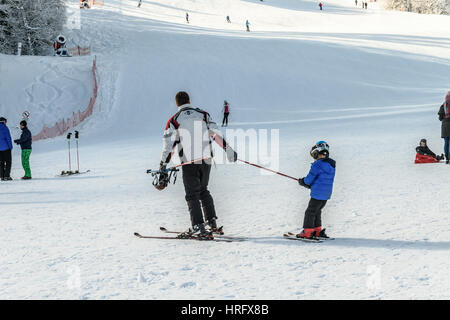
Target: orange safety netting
{"x": 64, "y": 125}
{"x": 79, "y": 51}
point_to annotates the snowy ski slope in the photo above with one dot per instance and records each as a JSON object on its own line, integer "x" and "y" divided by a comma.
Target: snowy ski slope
{"x": 370, "y": 82}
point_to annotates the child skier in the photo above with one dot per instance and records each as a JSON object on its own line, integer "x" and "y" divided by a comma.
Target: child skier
{"x": 320, "y": 180}
{"x": 425, "y": 151}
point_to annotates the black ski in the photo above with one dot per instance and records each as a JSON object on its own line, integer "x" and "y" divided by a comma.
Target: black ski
{"x": 176, "y": 238}
{"x": 72, "y": 173}
{"x": 216, "y": 235}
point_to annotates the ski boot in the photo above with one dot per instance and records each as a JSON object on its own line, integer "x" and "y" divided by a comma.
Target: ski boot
{"x": 7, "y": 179}
{"x": 320, "y": 233}
{"x": 213, "y": 227}
{"x": 307, "y": 233}
{"x": 26, "y": 178}
{"x": 198, "y": 232}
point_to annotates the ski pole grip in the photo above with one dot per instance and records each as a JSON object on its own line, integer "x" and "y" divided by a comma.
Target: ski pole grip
{"x": 69, "y": 135}
{"x": 76, "y": 134}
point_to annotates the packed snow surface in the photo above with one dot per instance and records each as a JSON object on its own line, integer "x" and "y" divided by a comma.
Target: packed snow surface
{"x": 369, "y": 82}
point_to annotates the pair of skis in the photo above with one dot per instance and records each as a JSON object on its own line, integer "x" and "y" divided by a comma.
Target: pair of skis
{"x": 218, "y": 236}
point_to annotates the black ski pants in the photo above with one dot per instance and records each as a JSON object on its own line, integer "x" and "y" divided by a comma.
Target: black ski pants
{"x": 195, "y": 180}
{"x": 225, "y": 119}
{"x": 5, "y": 163}
{"x": 313, "y": 214}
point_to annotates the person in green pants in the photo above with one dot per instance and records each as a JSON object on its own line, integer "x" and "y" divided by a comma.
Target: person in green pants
{"x": 25, "y": 142}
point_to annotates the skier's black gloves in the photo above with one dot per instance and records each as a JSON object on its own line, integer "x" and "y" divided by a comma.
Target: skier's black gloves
{"x": 303, "y": 184}
{"x": 163, "y": 177}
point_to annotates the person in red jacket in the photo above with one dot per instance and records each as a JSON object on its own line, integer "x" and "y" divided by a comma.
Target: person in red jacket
{"x": 320, "y": 5}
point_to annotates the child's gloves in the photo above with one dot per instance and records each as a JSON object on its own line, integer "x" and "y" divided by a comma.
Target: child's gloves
{"x": 303, "y": 184}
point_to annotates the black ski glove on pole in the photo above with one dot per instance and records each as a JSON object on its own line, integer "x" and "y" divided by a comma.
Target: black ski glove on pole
{"x": 163, "y": 177}
{"x": 303, "y": 184}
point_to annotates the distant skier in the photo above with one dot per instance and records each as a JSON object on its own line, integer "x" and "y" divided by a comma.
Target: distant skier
{"x": 247, "y": 24}
{"x": 444, "y": 116}
{"x": 320, "y": 5}
{"x": 226, "y": 113}
{"x": 140, "y": 3}
{"x": 365, "y": 5}
{"x": 187, "y": 17}
{"x": 182, "y": 132}
{"x": 320, "y": 180}
{"x": 25, "y": 142}
{"x": 356, "y": 2}
{"x": 424, "y": 150}
{"x": 228, "y": 19}
{"x": 5, "y": 151}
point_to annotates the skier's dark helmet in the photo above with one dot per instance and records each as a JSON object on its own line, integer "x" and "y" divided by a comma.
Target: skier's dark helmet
{"x": 321, "y": 147}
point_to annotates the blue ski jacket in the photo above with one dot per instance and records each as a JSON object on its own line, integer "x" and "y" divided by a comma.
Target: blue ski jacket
{"x": 5, "y": 138}
{"x": 321, "y": 178}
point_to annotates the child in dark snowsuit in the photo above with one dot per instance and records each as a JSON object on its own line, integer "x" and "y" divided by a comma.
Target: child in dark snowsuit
{"x": 320, "y": 180}
{"x": 425, "y": 151}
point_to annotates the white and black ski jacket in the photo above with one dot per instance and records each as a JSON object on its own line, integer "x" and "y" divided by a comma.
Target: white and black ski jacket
{"x": 191, "y": 130}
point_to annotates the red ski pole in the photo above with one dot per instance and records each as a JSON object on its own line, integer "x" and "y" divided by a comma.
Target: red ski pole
{"x": 260, "y": 167}
{"x": 189, "y": 162}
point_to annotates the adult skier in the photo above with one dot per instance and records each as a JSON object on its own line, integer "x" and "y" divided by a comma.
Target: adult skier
{"x": 320, "y": 6}
{"x": 191, "y": 130}
{"x": 247, "y": 25}
{"x": 187, "y": 17}
{"x": 226, "y": 113}
{"x": 423, "y": 149}
{"x": 444, "y": 117}
{"x": 228, "y": 19}
{"x": 25, "y": 141}
{"x": 320, "y": 180}
{"x": 140, "y": 3}
{"x": 5, "y": 151}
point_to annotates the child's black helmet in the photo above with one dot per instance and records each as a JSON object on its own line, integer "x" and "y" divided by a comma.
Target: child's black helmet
{"x": 321, "y": 147}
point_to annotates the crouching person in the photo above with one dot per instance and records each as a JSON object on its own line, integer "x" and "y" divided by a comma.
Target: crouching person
{"x": 25, "y": 142}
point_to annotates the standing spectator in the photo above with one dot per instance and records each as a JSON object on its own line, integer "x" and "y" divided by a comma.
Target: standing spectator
{"x": 320, "y": 5}
{"x": 25, "y": 142}
{"x": 444, "y": 116}
{"x": 226, "y": 113}
{"x": 247, "y": 24}
{"x": 187, "y": 17}
{"x": 5, "y": 151}
{"x": 365, "y": 5}
{"x": 356, "y": 2}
